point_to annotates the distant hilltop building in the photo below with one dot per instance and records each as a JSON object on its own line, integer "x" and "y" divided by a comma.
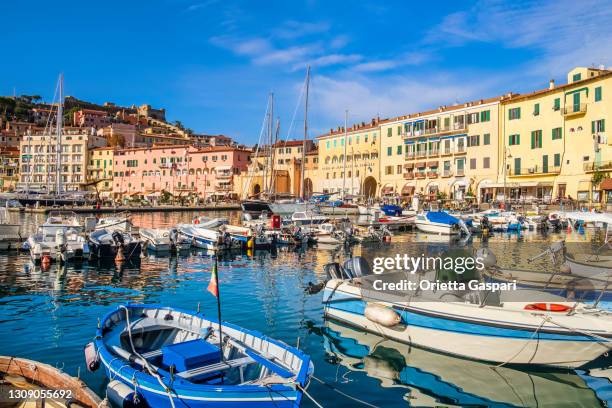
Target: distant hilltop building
{"x": 148, "y": 112}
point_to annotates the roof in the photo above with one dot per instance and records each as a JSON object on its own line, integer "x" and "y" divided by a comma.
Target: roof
{"x": 517, "y": 97}
{"x": 291, "y": 143}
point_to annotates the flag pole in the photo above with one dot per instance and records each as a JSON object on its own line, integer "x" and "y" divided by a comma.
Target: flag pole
{"x": 216, "y": 266}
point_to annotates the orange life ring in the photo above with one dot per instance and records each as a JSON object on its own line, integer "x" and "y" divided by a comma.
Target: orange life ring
{"x": 196, "y": 221}
{"x": 548, "y": 307}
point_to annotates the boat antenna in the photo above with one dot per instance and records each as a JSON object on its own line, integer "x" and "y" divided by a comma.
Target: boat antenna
{"x": 344, "y": 161}
{"x": 302, "y": 187}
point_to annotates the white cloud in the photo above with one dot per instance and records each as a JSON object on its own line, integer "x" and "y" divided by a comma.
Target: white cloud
{"x": 292, "y": 29}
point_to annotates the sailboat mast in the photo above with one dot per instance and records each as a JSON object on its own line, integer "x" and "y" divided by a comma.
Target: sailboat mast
{"x": 302, "y": 187}
{"x": 345, "y": 143}
{"x": 272, "y": 171}
{"x": 58, "y": 147}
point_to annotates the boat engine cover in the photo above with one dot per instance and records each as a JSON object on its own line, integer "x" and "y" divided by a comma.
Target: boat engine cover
{"x": 357, "y": 267}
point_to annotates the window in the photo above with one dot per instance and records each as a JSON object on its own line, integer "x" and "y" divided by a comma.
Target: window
{"x": 514, "y": 113}
{"x": 474, "y": 140}
{"x": 517, "y": 166}
{"x": 557, "y": 104}
{"x": 399, "y": 149}
{"x": 514, "y": 140}
{"x": 473, "y": 118}
{"x": 536, "y": 109}
{"x": 486, "y": 139}
{"x": 341, "y": 142}
{"x": 389, "y": 151}
{"x": 399, "y": 130}
{"x": 557, "y": 160}
{"x": 598, "y": 94}
{"x": 327, "y": 144}
{"x": 472, "y": 164}
{"x": 557, "y": 133}
{"x": 399, "y": 169}
{"x": 598, "y": 126}
{"x": 486, "y": 163}
{"x": 335, "y": 142}
{"x": 388, "y": 170}
{"x": 485, "y": 116}
{"x": 576, "y": 77}
{"x": 389, "y": 131}
{"x": 536, "y": 139}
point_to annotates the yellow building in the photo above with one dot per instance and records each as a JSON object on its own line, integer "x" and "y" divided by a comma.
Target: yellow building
{"x": 555, "y": 141}
{"x": 360, "y": 173}
{"x": 447, "y": 152}
{"x": 100, "y": 170}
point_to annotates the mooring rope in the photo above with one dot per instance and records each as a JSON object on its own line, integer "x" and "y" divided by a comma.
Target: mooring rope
{"x": 344, "y": 394}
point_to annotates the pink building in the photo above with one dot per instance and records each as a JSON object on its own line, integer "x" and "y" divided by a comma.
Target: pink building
{"x": 91, "y": 118}
{"x": 178, "y": 169}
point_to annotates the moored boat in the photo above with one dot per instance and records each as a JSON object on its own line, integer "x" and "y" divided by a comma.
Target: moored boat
{"x": 438, "y": 222}
{"x": 105, "y": 243}
{"x": 20, "y": 375}
{"x": 475, "y": 324}
{"x": 157, "y": 239}
{"x": 173, "y": 357}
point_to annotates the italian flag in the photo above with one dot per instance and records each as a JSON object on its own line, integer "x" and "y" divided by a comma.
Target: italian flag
{"x": 213, "y": 285}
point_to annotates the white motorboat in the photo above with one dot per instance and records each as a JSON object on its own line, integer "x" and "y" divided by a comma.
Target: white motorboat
{"x": 10, "y": 234}
{"x": 58, "y": 238}
{"x": 203, "y": 238}
{"x": 369, "y": 210}
{"x": 331, "y": 234}
{"x": 158, "y": 239}
{"x": 114, "y": 223}
{"x": 308, "y": 218}
{"x": 210, "y": 223}
{"x": 477, "y": 324}
{"x": 372, "y": 234}
{"x": 438, "y": 222}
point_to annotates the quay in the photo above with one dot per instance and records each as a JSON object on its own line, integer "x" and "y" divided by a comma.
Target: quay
{"x": 119, "y": 209}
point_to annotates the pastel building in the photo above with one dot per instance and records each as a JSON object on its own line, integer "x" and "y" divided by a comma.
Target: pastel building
{"x": 91, "y": 118}
{"x": 556, "y": 142}
{"x": 179, "y": 170}
{"x": 100, "y": 170}
{"x": 350, "y": 160}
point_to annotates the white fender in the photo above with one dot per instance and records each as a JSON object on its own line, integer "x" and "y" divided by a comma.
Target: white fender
{"x": 383, "y": 315}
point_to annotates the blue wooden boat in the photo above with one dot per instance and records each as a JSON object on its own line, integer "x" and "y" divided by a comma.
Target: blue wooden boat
{"x": 391, "y": 210}
{"x": 169, "y": 357}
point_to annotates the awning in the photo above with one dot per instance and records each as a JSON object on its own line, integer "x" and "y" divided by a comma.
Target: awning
{"x": 106, "y": 194}
{"x": 387, "y": 189}
{"x": 460, "y": 183}
{"x": 223, "y": 168}
{"x": 606, "y": 184}
{"x": 154, "y": 194}
{"x": 407, "y": 190}
{"x": 432, "y": 164}
{"x": 409, "y": 165}
{"x": 545, "y": 184}
{"x": 495, "y": 185}
{"x": 421, "y": 164}
{"x": 408, "y": 141}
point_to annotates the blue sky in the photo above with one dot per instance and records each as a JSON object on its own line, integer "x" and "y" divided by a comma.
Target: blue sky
{"x": 212, "y": 63}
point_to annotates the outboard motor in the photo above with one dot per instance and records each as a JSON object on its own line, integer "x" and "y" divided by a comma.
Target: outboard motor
{"x": 357, "y": 267}
{"x": 118, "y": 238}
{"x": 334, "y": 271}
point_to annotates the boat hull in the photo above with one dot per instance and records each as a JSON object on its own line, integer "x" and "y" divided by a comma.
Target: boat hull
{"x": 492, "y": 341}
{"x": 436, "y": 228}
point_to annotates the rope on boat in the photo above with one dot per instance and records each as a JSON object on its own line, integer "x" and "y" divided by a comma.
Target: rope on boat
{"x": 544, "y": 320}
{"x": 309, "y": 396}
{"x": 341, "y": 393}
{"x": 151, "y": 371}
{"x": 584, "y": 333}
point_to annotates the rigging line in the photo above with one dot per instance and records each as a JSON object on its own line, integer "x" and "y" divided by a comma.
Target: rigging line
{"x": 308, "y": 395}
{"x": 297, "y": 106}
{"x": 251, "y": 173}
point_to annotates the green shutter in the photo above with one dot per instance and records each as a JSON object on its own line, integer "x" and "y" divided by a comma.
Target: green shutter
{"x": 518, "y": 113}
{"x": 389, "y": 151}
{"x": 487, "y": 139}
{"x": 557, "y": 160}
{"x": 557, "y": 105}
{"x": 593, "y": 126}
{"x": 603, "y": 125}
{"x": 532, "y": 139}
{"x": 598, "y": 94}
{"x": 536, "y": 109}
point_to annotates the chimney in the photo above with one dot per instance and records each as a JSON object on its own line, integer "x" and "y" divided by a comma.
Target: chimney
{"x": 551, "y": 84}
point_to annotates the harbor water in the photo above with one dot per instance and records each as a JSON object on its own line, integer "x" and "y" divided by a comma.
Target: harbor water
{"x": 50, "y": 315}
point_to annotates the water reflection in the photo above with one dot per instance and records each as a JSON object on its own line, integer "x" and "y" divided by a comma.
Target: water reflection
{"x": 49, "y": 315}
{"x": 431, "y": 378}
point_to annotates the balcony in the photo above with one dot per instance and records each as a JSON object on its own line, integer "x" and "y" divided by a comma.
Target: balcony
{"x": 592, "y": 167}
{"x": 409, "y": 176}
{"x": 421, "y": 153}
{"x": 224, "y": 175}
{"x": 535, "y": 170}
{"x": 460, "y": 173}
{"x": 438, "y": 130}
{"x": 433, "y": 153}
{"x": 419, "y": 175}
{"x": 432, "y": 174}
{"x": 460, "y": 150}
{"x": 575, "y": 109}
{"x": 446, "y": 173}
{"x": 446, "y": 151}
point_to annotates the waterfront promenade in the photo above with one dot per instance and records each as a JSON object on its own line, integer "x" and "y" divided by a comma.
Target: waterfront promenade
{"x": 148, "y": 208}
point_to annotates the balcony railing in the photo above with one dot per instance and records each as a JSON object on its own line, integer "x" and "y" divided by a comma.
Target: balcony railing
{"x": 455, "y": 127}
{"x": 419, "y": 175}
{"x": 597, "y": 166}
{"x": 574, "y": 109}
{"x": 528, "y": 171}
{"x": 409, "y": 155}
{"x": 224, "y": 174}
{"x": 460, "y": 149}
{"x": 432, "y": 174}
{"x": 409, "y": 176}
{"x": 447, "y": 173}
{"x": 460, "y": 173}
{"x": 421, "y": 153}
